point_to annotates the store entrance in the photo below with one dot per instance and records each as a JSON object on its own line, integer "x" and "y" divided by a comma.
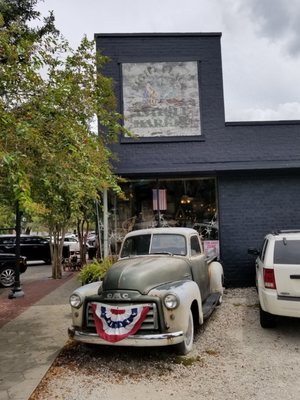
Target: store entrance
{"x": 166, "y": 203}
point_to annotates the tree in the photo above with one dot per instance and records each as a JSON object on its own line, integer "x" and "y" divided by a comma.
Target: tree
{"x": 20, "y": 62}
{"x": 52, "y": 163}
{"x": 7, "y": 218}
{"x": 80, "y": 164}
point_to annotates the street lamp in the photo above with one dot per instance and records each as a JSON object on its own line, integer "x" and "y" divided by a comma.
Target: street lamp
{"x": 17, "y": 291}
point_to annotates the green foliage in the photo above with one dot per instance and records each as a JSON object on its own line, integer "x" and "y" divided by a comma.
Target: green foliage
{"x": 23, "y": 11}
{"x": 51, "y": 161}
{"x": 94, "y": 271}
{"x": 7, "y": 217}
{"x": 21, "y": 83}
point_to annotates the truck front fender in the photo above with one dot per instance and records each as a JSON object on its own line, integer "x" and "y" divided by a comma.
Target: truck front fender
{"x": 189, "y": 297}
{"x": 90, "y": 289}
{"x": 216, "y": 276}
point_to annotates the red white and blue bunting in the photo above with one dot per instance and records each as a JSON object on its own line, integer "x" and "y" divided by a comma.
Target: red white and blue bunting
{"x": 115, "y": 323}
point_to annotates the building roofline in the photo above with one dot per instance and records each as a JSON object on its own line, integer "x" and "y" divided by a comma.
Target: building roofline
{"x": 212, "y": 170}
{"x": 159, "y": 34}
{"x": 263, "y": 123}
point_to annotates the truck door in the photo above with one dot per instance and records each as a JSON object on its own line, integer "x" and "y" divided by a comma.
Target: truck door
{"x": 199, "y": 267}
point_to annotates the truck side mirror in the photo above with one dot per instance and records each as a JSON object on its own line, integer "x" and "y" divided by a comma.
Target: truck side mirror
{"x": 254, "y": 252}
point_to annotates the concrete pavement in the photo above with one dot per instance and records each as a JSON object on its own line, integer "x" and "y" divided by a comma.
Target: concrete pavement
{"x": 33, "y": 329}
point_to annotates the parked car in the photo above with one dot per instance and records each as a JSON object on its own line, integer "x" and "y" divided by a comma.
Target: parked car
{"x": 8, "y": 268}
{"x": 278, "y": 276}
{"x": 92, "y": 245}
{"x": 161, "y": 286}
{"x": 71, "y": 253}
{"x": 73, "y": 244}
{"x": 32, "y": 247}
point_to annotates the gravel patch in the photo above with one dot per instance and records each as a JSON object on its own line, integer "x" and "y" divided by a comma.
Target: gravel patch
{"x": 233, "y": 358}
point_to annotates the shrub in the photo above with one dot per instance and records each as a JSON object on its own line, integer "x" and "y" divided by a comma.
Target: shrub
{"x": 94, "y": 271}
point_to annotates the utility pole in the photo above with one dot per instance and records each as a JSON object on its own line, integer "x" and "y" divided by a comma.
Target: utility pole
{"x": 105, "y": 225}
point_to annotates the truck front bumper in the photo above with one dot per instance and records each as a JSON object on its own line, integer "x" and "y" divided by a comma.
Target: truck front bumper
{"x": 162, "y": 339}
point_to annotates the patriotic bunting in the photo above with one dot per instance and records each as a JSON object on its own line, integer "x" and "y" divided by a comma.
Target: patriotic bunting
{"x": 115, "y": 323}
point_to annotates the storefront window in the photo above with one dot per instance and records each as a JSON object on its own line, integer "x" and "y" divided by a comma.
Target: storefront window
{"x": 151, "y": 203}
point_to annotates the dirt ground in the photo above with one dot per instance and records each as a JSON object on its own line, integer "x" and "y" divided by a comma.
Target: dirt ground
{"x": 233, "y": 358}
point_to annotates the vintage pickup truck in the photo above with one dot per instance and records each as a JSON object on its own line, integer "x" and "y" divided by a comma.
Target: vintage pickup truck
{"x": 161, "y": 287}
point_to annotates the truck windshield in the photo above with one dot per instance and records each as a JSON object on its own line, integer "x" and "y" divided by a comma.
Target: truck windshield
{"x": 168, "y": 243}
{"x": 160, "y": 244}
{"x": 136, "y": 246}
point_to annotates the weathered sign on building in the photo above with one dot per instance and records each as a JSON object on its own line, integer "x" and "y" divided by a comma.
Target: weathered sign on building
{"x": 161, "y": 98}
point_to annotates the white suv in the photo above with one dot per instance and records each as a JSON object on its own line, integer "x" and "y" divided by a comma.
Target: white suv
{"x": 278, "y": 276}
{"x": 73, "y": 244}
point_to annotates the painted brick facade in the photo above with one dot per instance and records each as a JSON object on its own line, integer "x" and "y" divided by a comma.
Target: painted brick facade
{"x": 257, "y": 165}
{"x": 250, "y": 206}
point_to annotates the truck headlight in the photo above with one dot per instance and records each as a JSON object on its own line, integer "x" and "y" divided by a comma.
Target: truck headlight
{"x": 75, "y": 300}
{"x": 171, "y": 301}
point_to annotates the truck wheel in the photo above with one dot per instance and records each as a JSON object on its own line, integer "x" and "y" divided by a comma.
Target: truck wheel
{"x": 267, "y": 320}
{"x": 7, "y": 277}
{"x": 187, "y": 344}
{"x": 220, "y": 300}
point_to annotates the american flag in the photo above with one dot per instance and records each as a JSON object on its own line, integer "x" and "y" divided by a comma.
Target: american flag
{"x": 162, "y": 199}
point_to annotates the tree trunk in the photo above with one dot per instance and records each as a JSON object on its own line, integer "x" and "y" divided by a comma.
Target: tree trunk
{"x": 82, "y": 230}
{"x": 57, "y": 246}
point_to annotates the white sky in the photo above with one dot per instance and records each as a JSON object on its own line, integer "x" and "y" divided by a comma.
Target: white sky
{"x": 260, "y": 43}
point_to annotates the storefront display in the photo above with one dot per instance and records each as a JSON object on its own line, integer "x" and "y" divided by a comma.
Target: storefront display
{"x": 166, "y": 203}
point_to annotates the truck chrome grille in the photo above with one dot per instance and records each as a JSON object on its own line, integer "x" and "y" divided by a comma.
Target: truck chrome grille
{"x": 149, "y": 324}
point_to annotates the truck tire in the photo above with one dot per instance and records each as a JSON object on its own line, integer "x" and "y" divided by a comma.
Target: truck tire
{"x": 187, "y": 344}
{"x": 266, "y": 319}
{"x": 220, "y": 300}
{"x": 7, "y": 276}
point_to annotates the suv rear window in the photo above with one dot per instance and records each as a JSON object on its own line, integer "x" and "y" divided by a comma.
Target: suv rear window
{"x": 287, "y": 252}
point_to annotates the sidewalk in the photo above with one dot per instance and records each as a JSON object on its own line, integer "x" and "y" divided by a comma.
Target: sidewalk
{"x": 33, "y": 329}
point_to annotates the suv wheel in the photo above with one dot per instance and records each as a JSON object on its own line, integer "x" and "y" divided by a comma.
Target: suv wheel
{"x": 267, "y": 320}
{"x": 7, "y": 276}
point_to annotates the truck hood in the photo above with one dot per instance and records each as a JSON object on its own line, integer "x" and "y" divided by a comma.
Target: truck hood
{"x": 144, "y": 273}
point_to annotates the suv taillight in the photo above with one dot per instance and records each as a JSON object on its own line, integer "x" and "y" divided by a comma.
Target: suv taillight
{"x": 269, "y": 278}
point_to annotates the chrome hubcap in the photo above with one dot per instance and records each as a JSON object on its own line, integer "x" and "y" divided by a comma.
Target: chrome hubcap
{"x": 189, "y": 332}
{"x": 7, "y": 277}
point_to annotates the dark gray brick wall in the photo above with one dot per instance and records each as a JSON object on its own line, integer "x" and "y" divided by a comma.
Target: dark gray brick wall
{"x": 250, "y": 206}
{"x": 252, "y": 202}
{"x": 235, "y": 146}
{"x": 170, "y": 47}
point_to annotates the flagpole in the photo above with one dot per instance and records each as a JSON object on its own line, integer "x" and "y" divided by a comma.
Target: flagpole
{"x": 158, "y": 208}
